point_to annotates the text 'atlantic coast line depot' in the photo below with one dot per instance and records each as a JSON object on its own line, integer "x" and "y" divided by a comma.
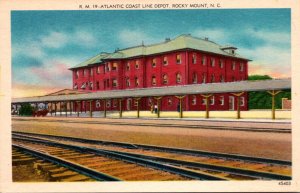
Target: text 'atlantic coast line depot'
{"x": 181, "y": 61}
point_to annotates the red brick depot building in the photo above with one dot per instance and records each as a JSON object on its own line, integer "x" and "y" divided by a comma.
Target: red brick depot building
{"x": 174, "y": 62}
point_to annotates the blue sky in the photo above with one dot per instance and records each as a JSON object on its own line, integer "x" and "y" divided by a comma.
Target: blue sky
{"x": 46, "y": 43}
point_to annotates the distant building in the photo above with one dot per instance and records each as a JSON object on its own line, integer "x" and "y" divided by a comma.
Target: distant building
{"x": 174, "y": 62}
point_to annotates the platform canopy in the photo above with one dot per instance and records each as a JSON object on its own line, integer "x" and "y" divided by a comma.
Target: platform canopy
{"x": 212, "y": 88}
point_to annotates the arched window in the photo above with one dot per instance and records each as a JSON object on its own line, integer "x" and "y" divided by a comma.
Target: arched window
{"x": 178, "y": 78}
{"x": 203, "y": 60}
{"x": 212, "y": 100}
{"x": 195, "y": 78}
{"x": 221, "y": 63}
{"x": 98, "y": 70}
{"x": 194, "y": 59}
{"x": 203, "y": 78}
{"x": 178, "y": 59}
{"x": 212, "y": 78}
{"x": 75, "y": 86}
{"x": 170, "y": 102}
{"x": 212, "y": 62}
{"x": 194, "y": 100}
{"x": 222, "y": 78}
{"x": 114, "y": 66}
{"x": 136, "y": 81}
{"x": 154, "y": 62}
{"x": 91, "y": 72}
{"x": 222, "y": 100}
{"x": 77, "y": 73}
{"x": 98, "y": 104}
{"x": 137, "y": 64}
{"x": 127, "y": 82}
{"x": 165, "y": 61}
{"x": 241, "y": 67}
{"x": 127, "y": 66}
{"x": 153, "y": 80}
{"x": 165, "y": 79}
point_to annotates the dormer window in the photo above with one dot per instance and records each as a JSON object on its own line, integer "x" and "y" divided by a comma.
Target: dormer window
{"x": 229, "y": 49}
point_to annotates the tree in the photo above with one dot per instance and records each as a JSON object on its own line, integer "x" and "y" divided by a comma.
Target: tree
{"x": 263, "y": 100}
{"x": 26, "y": 110}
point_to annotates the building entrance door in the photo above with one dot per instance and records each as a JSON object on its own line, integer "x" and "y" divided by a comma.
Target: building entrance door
{"x": 129, "y": 104}
{"x": 231, "y": 103}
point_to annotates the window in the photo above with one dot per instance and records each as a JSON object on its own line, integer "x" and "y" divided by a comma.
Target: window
{"x": 115, "y": 102}
{"x": 154, "y": 62}
{"x": 136, "y": 81}
{"x": 114, "y": 66}
{"x": 233, "y": 66}
{"x": 195, "y": 78}
{"x": 222, "y": 78}
{"x": 108, "y": 103}
{"x": 150, "y": 102}
{"x": 241, "y": 67}
{"x": 178, "y": 59}
{"x": 204, "y": 101}
{"x": 194, "y": 100}
{"x": 178, "y": 78}
{"x": 83, "y": 86}
{"x": 77, "y": 74}
{"x": 221, "y": 63}
{"x": 170, "y": 101}
{"x": 97, "y": 85}
{"x": 165, "y": 61}
{"x": 153, "y": 80}
{"x": 98, "y": 104}
{"x": 203, "y": 78}
{"x": 107, "y": 67}
{"x": 212, "y": 62}
{"x": 137, "y": 64}
{"x": 212, "y": 78}
{"x": 203, "y": 60}
{"x": 194, "y": 59}
{"x": 165, "y": 79}
{"x": 98, "y": 70}
{"x": 127, "y": 82}
{"x": 212, "y": 100}
{"x": 242, "y": 101}
{"x": 127, "y": 66}
{"x": 221, "y": 100}
{"x": 84, "y": 72}
{"x": 91, "y": 72}
{"x": 75, "y": 86}
{"x": 114, "y": 83}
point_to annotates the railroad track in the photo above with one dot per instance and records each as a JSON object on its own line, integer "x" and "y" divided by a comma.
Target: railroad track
{"x": 273, "y": 130}
{"x": 208, "y": 164}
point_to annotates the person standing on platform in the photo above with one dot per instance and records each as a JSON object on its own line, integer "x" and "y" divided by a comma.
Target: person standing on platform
{"x": 155, "y": 109}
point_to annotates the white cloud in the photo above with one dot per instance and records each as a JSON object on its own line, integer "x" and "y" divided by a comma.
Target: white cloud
{"x": 270, "y": 37}
{"x": 84, "y": 38}
{"x": 54, "y": 40}
{"x": 134, "y": 37}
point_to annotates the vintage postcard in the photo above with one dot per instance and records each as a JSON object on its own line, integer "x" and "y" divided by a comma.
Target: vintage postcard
{"x": 131, "y": 96}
